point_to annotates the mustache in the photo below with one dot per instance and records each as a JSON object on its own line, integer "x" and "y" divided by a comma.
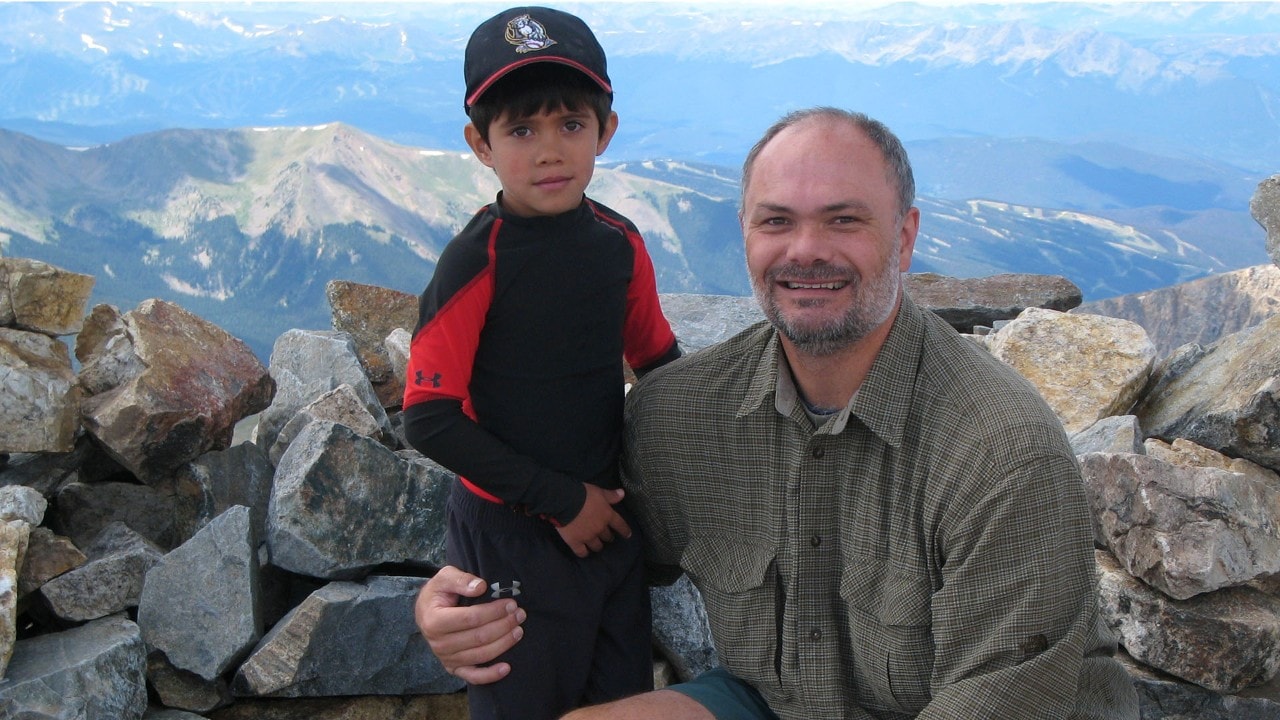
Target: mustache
{"x": 812, "y": 273}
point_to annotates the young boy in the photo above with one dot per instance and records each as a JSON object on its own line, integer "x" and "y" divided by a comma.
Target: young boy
{"x": 515, "y": 377}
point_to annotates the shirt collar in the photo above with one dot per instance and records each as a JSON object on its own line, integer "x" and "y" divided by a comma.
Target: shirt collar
{"x": 542, "y": 223}
{"x": 764, "y": 378}
{"x": 787, "y": 400}
{"x": 883, "y": 401}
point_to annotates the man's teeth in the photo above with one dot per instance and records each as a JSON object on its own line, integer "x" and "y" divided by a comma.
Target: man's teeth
{"x": 815, "y": 286}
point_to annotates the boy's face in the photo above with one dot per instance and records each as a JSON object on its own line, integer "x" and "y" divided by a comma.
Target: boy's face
{"x": 543, "y": 161}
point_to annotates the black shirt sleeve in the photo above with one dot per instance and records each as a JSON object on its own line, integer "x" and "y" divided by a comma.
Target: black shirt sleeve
{"x": 440, "y": 430}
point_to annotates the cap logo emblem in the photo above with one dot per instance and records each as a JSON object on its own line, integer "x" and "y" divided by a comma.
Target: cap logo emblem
{"x": 528, "y": 34}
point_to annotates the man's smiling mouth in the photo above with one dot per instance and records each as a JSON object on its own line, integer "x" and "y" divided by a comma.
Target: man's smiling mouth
{"x": 834, "y": 285}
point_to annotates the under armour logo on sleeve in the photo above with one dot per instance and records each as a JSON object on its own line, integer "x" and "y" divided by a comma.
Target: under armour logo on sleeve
{"x": 499, "y": 591}
{"x": 419, "y": 379}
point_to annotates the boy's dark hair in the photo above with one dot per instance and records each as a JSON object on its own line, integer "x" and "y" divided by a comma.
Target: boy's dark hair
{"x": 540, "y": 87}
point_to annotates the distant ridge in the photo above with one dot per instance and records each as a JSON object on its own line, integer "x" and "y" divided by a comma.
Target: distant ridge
{"x": 246, "y": 226}
{"x": 1200, "y": 311}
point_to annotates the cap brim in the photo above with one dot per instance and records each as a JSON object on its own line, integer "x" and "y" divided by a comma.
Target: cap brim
{"x": 507, "y": 69}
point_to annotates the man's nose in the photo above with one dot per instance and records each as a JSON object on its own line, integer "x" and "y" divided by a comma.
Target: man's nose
{"x": 809, "y": 244}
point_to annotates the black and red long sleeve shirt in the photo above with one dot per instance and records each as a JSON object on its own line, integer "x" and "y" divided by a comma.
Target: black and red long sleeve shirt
{"x": 515, "y": 378}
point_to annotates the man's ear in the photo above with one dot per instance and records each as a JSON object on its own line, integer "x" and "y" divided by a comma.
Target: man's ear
{"x": 606, "y": 133}
{"x": 907, "y": 238}
{"x": 478, "y": 145}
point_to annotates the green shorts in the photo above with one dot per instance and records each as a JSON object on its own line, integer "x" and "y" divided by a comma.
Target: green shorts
{"x": 725, "y": 696}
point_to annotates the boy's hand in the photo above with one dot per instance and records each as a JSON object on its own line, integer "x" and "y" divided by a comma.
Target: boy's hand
{"x": 596, "y": 524}
{"x": 464, "y": 639}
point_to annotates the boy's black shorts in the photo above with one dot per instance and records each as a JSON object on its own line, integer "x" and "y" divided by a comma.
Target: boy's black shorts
{"x": 587, "y": 637}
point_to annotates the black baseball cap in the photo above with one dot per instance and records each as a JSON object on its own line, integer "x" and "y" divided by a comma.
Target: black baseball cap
{"x": 524, "y": 35}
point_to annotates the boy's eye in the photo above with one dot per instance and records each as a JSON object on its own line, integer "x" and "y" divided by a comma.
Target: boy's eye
{"x": 573, "y": 125}
{"x": 521, "y": 131}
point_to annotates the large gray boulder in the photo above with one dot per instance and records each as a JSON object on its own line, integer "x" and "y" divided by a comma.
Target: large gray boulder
{"x": 200, "y": 603}
{"x": 347, "y": 638}
{"x": 1225, "y": 397}
{"x": 93, "y": 672}
{"x": 1185, "y": 530}
{"x": 1224, "y": 641}
{"x": 343, "y": 504}
{"x": 110, "y": 582}
{"x": 307, "y": 364}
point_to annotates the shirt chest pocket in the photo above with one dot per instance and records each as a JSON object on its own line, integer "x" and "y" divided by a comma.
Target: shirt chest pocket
{"x": 738, "y": 583}
{"x": 890, "y": 634}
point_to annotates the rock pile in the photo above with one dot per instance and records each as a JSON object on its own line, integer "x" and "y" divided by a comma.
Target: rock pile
{"x": 152, "y": 566}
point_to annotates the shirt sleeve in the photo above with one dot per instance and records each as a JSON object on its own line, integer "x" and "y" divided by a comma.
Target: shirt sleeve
{"x": 441, "y": 430}
{"x": 1016, "y": 626}
{"x": 654, "y": 504}
{"x": 648, "y": 341}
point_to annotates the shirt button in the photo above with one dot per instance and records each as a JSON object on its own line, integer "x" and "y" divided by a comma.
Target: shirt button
{"x": 818, "y": 452}
{"x": 815, "y": 635}
{"x": 816, "y": 540}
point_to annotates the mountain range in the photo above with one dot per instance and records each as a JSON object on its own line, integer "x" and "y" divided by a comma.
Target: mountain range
{"x": 245, "y": 227}
{"x": 695, "y": 80}
{"x": 234, "y": 157}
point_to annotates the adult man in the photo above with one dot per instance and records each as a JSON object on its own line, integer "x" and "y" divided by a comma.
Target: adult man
{"x": 883, "y": 520}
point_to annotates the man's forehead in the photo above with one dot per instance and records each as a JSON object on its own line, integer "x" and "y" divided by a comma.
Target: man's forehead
{"x": 846, "y": 205}
{"x": 821, "y": 159}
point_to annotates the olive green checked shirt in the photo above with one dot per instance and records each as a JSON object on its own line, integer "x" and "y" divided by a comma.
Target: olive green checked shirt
{"x": 926, "y": 553}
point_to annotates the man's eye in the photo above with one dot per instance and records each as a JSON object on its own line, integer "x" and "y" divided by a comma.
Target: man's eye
{"x": 775, "y": 221}
{"x": 852, "y": 221}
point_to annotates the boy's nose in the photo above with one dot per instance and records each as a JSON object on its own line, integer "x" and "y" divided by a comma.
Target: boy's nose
{"x": 549, "y": 151}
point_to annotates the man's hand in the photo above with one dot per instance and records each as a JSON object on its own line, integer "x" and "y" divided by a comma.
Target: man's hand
{"x": 465, "y": 638}
{"x": 596, "y": 524}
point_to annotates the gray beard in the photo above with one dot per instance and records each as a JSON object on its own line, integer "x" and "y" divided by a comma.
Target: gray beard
{"x": 874, "y": 301}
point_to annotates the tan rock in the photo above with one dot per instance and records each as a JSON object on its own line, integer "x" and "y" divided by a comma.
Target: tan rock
{"x": 1046, "y": 347}
{"x": 1200, "y": 311}
{"x": 39, "y": 396}
{"x": 983, "y": 301}
{"x": 48, "y": 556}
{"x": 370, "y": 313}
{"x": 42, "y": 298}
{"x": 1184, "y": 452}
{"x": 13, "y": 546}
